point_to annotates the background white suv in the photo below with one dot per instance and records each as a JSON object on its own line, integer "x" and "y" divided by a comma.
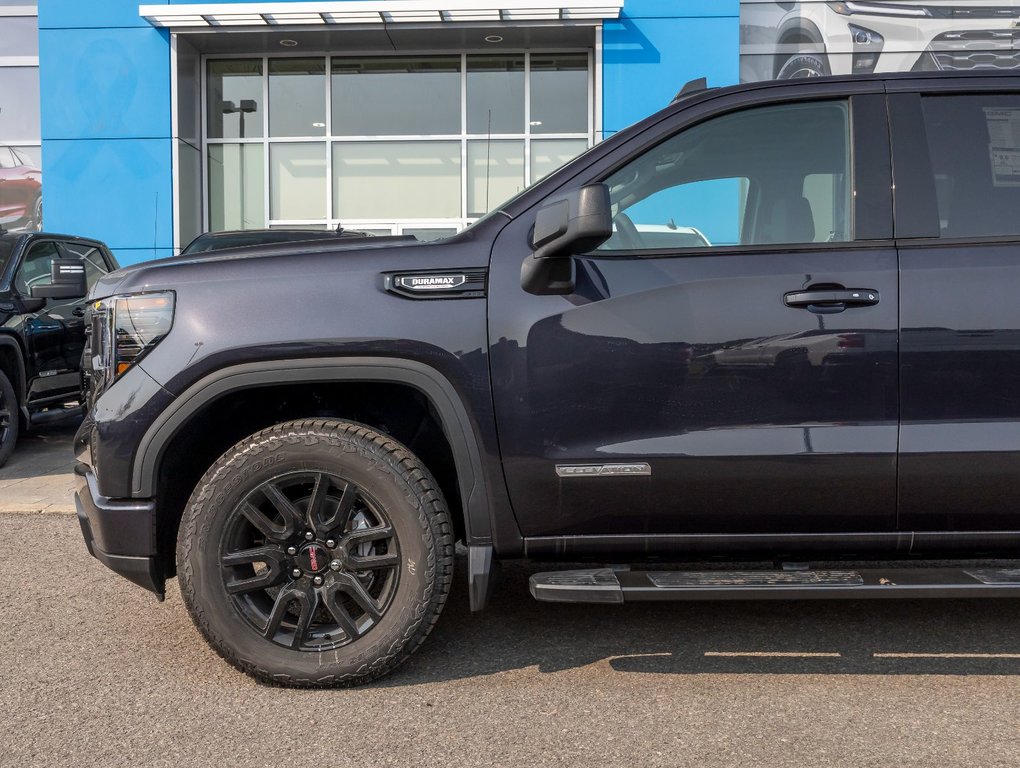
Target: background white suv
{"x": 813, "y": 38}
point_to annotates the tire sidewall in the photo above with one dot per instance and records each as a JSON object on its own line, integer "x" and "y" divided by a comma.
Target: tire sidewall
{"x": 271, "y": 455}
{"x": 9, "y": 398}
{"x": 803, "y": 62}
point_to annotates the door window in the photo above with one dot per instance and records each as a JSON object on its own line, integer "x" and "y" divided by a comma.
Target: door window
{"x": 35, "y": 268}
{"x": 768, "y": 175}
{"x": 92, "y": 258}
{"x": 974, "y": 144}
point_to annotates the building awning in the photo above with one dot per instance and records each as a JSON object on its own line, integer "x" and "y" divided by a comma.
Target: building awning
{"x": 381, "y": 12}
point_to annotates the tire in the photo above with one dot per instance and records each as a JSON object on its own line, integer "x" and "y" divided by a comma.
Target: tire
{"x": 9, "y": 418}
{"x": 35, "y": 222}
{"x": 380, "y": 522}
{"x": 804, "y": 65}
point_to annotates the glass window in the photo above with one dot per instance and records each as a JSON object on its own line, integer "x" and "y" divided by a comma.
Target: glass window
{"x": 396, "y": 180}
{"x": 92, "y": 257}
{"x": 396, "y": 96}
{"x": 428, "y": 234}
{"x": 28, "y": 156}
{"x": 559, "y": 93}
{"x": 549, "y": 154}
{"x": 767, "y": 175}
{"x": 974, "y": 143}
{"x": 234, "y": 99}
{"x": 35, "y": 267}
{"x": 236, "y": 187}
{"x": 495, "y": 94}
{"x": 297, "y": 97}
{"x": 19, "y": 36}
{"x": 19, "y": 104}
{"x": 7, "y": 158}
{"x": 495, "y": 174}
{"x": 297, "y": 181}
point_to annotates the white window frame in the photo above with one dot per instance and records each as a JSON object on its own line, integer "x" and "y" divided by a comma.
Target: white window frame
{"x": 396, "y": 226}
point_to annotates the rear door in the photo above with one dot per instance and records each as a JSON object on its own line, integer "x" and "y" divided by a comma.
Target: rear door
{"x": 957, "y": 166}
{"x": 744, "y": 386}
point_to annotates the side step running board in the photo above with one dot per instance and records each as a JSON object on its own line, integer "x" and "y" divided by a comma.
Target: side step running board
{"x": 606, "y": 585}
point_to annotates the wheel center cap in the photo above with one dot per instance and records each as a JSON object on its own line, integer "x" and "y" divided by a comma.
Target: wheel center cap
{"x": 314, "y": 558}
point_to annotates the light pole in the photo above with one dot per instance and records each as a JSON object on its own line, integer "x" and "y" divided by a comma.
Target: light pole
{"x": 242, "y": 107}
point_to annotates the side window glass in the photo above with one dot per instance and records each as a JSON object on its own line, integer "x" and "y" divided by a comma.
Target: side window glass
{"x": 35, "y": 267}
{"x": 7, "y": 158}
{"x": 974, "y": 145}
{"x": 766, "y": 175}
{"x": 92, "y": 258}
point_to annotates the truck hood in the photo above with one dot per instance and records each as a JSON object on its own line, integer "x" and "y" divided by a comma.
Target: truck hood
{"x": 163, "y": 273}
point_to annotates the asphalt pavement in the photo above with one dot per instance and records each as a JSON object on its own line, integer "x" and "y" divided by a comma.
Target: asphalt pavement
{"x": 95, "y": 672}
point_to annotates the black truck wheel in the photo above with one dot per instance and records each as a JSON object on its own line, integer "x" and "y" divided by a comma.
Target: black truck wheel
{"x": 8, "y": 418}
{"x": 316, "y": 553}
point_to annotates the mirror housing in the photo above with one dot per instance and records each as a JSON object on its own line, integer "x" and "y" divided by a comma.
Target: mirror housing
{"x": 573, "y": 223}
{"x": 67, "y": 281}
{"x": 568, "y": 225}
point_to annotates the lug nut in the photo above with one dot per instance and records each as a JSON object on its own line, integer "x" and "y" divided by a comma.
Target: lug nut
{"x": 317, "y": 581}
{"x": 296, "y": 573}
{"x": 291, "y": 550}
{"x": 309, "y": 535}
{"x": 331, "y": 543}
{"x": 335, "y": 565}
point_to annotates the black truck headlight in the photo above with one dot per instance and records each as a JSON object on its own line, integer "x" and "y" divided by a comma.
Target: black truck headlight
{"x": 125, "y": 329}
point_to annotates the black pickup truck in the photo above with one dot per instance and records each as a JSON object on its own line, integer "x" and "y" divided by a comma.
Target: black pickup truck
{"x": 42, "y": 327}
{"x": 300, "y": 433}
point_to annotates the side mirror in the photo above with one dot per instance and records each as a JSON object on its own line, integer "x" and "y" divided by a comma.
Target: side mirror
{"x": 67, "y": 281}
{"x": 567, "y": 225}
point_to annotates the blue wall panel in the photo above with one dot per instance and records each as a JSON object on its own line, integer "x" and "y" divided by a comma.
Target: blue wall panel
{"x": 104, "y": 83}
{"x": 117, "y": 190}
{"x": 647, "y": 59}
{"x": 65, "y": 14}
{"x": 105, "y": 104}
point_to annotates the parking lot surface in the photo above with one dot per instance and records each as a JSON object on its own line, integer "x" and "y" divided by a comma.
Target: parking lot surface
{"x": 94, "y": 672}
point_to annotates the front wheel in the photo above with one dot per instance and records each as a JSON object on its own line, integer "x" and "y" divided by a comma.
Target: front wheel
{"x": 316, "y": 553}
{"x": 804, "y": 65}
{"x": 8, "y": 418}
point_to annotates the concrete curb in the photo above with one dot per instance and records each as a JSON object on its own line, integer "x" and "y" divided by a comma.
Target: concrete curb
{"x": 38, "y": 508}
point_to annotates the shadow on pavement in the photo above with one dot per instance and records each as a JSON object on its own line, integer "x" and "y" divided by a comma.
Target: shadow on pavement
{"x": 826, "y": 637}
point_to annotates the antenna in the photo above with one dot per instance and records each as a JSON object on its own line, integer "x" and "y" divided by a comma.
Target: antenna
{"x": 690, "y": 88}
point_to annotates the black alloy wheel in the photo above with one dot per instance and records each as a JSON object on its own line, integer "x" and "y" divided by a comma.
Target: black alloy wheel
{"x": 8, "y": 418}
{"x": 310, "y": 561}
{"x": 316, "y": 553}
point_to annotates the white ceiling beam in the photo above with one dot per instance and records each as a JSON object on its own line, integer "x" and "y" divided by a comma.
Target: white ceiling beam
{"x": 376, "y": 12}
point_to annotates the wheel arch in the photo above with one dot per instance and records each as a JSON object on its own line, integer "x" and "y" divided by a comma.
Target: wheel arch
{"x": 796, "y": 30}
{"x": 12, "y": 363}
{"x": 438, "y": 391}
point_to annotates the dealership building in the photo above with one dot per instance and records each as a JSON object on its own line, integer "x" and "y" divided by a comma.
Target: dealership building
{"x": 159, "y": 121}
{"x": 154, "y": 122}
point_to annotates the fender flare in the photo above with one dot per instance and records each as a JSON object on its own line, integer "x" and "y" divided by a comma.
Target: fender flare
{"x": 453, "y": 415}
{"x": 804, "y": 27}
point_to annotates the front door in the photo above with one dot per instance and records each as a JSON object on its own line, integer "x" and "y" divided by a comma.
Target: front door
{"x": 726, "y": 362}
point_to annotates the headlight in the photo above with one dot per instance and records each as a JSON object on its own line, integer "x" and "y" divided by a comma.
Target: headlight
{"x": 126, "y": 328}
{"x": 849, "y": 8}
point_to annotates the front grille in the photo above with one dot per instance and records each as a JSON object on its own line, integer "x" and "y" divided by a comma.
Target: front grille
{"x": 985, "y": 49}
{"x": 974, "y": 12}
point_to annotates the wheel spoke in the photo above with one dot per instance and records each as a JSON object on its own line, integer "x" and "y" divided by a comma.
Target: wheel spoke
{"x": 315, "y": 504}
{"x": 270, "y": 577}
{"x": 346, "y": 583}
{"x": 365, "y": 536}
{"x": 304, "y": 621}
{"x": 268, "y": 528}
{"x": 287, "y": 596}
{"x": 371, "y": 562}
{"x": 341, "y": 517}
{"x": 291, "y": 514}
{"x": 339, "y": 613}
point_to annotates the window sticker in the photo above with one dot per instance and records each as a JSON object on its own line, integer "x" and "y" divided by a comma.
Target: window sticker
{"x": 1004, "y": 145}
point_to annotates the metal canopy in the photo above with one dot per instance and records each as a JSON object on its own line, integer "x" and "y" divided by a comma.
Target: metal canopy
{"x": 382, "y": 12}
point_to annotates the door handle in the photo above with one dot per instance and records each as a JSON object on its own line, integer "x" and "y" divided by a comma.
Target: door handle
{"x": 829, "y": 301}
